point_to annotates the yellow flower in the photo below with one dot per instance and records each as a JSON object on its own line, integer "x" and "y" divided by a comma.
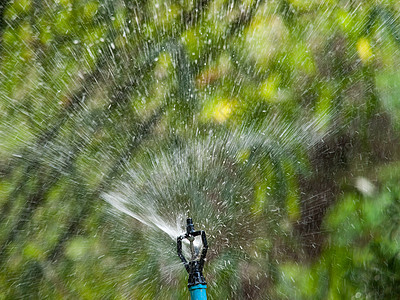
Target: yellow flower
{"x": 222, "y": 111}
{"x": 364, "y": 50}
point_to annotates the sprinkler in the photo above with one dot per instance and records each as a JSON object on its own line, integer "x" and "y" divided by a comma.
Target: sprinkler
{"x": 196, "y": 283}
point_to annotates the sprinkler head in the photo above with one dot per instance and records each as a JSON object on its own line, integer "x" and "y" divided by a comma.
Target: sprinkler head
{"x": 189, "y": 226}
{"x": 195, "y": 265}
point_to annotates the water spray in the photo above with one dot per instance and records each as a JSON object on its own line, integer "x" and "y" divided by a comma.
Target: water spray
{"x": 196, "y": 283}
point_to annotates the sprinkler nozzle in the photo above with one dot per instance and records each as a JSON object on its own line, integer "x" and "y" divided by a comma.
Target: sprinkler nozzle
{"x": 194, "y": 267}
{"x": 189, "y": 226}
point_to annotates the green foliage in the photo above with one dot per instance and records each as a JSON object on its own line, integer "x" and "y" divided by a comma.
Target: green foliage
{"x": 239, "y": 112}
{"x": 361, "y": 251}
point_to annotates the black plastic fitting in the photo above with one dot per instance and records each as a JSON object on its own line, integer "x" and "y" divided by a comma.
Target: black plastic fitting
{"x": 193, "y": 267}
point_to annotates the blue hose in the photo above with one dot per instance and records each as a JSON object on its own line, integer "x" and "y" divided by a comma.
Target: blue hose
{"x": 198, "y": 292}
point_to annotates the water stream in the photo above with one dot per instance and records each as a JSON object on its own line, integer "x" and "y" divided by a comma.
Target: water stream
{"x": 267, "y": 122}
